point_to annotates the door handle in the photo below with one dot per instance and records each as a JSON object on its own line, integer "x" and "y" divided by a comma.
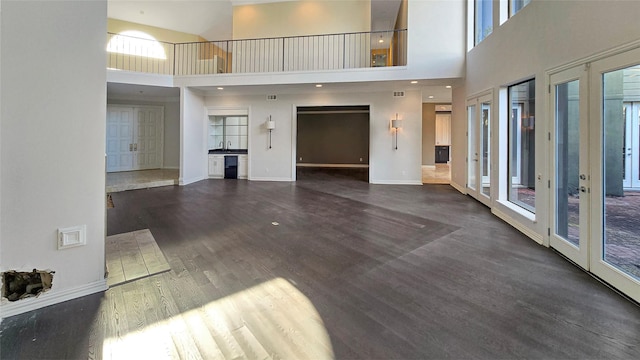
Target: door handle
{"x": 135, "y": 147}
{"x": 130, "y": 147}
{"x": 583, "y": 189}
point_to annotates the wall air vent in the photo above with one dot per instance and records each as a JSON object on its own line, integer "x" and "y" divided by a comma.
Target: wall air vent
{"x": 272, "y": 97}
{"x": 398, "y": 94}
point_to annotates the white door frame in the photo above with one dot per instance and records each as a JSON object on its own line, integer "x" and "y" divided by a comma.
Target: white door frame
{"x": 578, "y": 254}
{"x": 472, "y": 147}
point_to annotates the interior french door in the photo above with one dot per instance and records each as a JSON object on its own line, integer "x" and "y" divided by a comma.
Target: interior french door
{"x": 134, "y": 138}
{"x": 479, "y": 148}
{"x": 595, "y": 212}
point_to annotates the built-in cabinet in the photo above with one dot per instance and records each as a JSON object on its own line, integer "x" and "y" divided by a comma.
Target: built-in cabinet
{"x": 217, "y": 170}
{"x": 443, "y": 129}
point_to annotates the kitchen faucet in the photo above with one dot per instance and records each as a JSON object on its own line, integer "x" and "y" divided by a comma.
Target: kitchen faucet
{"x": 221, "y": 144}
{"x": 229, "y": 144}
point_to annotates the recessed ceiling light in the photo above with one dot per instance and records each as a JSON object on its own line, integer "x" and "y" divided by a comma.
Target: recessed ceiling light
{"x": 380, "y": 41}
{"x": 220, "y": 88}
{"x": 318, "y": 85}
{"x": 430, "y": 96}
{"x": 448, "y": 86}
{"x": 414, "y": 82}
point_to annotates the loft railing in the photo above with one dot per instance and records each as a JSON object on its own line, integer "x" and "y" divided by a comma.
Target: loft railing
{"x": 293, "y": 53}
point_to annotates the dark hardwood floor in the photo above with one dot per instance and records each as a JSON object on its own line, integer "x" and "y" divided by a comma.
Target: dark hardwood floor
{"x": 332, "y": 268}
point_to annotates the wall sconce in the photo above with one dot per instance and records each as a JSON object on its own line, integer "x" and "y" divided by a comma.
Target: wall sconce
{"x": 270, "y": 124}
{"x": 396, "y": 124}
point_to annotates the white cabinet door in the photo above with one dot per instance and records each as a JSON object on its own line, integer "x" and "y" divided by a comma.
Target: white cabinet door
{"x": 216, "y": 166}
{"x": 443, "y": 129}
{"x": 243, "y": 166}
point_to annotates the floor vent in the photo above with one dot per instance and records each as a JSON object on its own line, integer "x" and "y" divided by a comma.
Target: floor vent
{"x": 398, "y": 94}
{"x": 272, "y": 97}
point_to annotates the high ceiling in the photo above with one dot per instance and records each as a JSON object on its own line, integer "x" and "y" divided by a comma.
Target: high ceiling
{"x": 212, "y": 19}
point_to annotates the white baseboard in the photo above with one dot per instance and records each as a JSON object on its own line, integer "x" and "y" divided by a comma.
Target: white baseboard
{"x": 183, "y": 182}
{"x": 270, "y": 179}
{"x": 523, "y": 229}
{"x": 396, "y": 182}
{"x": 462, "y": 189}
{"x": 48, "y": 298}
{"x": 171, "y": 167}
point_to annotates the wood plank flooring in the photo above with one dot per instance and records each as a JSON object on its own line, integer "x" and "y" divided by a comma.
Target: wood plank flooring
{"x": 133, "y": 255}
{"x": 351, "y": 271}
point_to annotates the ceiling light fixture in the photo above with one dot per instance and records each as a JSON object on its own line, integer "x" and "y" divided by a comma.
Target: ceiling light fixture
{"x": 414, "y": 82}
{"x": 318, "y": 85}
{"x": 448, "y": 86}
{"x": 220, "y": 88}
{"x": 430, "y": 96}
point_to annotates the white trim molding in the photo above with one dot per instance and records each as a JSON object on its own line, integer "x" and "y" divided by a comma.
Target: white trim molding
{"x": 48, "y": 298}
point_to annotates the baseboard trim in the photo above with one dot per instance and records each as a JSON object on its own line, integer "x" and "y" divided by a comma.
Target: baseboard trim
{"x": 183, "y": 182}
{"x": 270, "y": 179}
{"x": 396, "y": 182}
{"x": 48, "y": 298}
{"x": 517, "y": 225}
{"x": 171, "y": 167}
{"x": 462, "y": 189}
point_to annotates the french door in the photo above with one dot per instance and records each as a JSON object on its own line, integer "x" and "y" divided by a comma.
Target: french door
{"x": 631, "y": 148}
{"x": 595, "y": 210}
{"x": 134, "y": 138}
{"x": 479, "y": 148}
{"x": 570, "y": 161}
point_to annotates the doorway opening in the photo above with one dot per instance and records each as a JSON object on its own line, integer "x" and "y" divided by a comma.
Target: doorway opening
{"x": 332, "y": 141}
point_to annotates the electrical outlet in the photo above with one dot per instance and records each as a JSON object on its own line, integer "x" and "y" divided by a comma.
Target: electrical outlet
{"x": 360, "y": 159}
{"x": 300, "y": 158}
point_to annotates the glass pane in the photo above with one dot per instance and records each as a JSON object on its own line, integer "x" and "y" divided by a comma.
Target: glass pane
{"x": 473, "y": 156}
{"x": 483, "y": 19}
{"x": 485, "y": 143}
{"x": 621, "y": 247}
{"x": 522, "y": 155}
{"x": 517, "y": 5}
{"x": 567, "y": 113}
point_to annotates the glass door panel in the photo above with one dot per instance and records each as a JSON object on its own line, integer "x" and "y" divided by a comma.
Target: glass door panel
{"x": 621, "y": 205}
{"x": 570, "y": 166}
{"x": 615, "y": 207}
{"x": 472, "y": 157}
{"x": 485, "y": 148}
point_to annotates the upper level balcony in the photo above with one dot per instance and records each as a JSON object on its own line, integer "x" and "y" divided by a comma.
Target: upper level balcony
{"x": 265, "y": 55}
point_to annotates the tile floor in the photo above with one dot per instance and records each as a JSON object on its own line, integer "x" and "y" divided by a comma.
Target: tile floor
{"x": 436, "y": 174}
{"x": 142, "y": 179}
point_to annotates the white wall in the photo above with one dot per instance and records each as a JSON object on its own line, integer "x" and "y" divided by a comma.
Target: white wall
{"x": 53, "y": 144}
{"x": 193, "y": 144}
{"x": 542, "y": 36}
{"x": 388, "y": 166}
{"x": 436, "y": 38}
{"x": 297, "y": 18}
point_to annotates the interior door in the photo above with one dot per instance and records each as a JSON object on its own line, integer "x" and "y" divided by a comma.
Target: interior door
{"x": 134, "y": 137}
{"x": 570, "y": 163}
{"x": 147, "y": 144}
{"x": 120, "y": 129}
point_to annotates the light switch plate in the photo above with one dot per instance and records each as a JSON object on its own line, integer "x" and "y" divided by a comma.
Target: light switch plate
{"x": 72, "y": 237}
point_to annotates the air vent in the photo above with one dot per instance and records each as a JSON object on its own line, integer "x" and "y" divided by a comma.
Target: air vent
{"x": 398, "y": 94}
{"x": 272, "y": 97}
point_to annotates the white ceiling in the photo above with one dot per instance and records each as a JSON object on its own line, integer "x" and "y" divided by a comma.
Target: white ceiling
{"x": 212, "y": 19}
